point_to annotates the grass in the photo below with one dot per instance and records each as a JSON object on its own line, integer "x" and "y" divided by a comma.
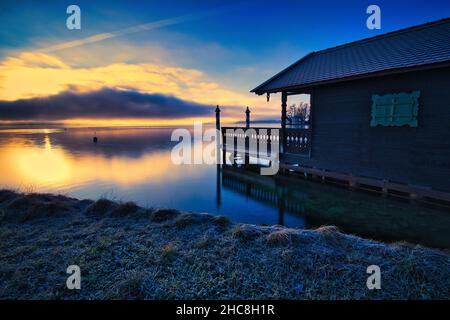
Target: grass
{"x": 221, "y": 221}
{"x": 161, "y": 215}
{"x": 125, "y": 209}
{"x": 280, "y": 237}
{"x": 168, "y": 250}
{"x": 127, "y": 252}
{"x": 22, "y": 208}
{"x": 101, "y": 207}
{"x": 185, "y": 219}
{"x": 246, "y": 232}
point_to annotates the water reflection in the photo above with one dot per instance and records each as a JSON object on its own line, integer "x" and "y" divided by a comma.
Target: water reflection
{"x": 359, "y": 213}
{"x": 43, "y": 165}
{"x": 134, "y": 164}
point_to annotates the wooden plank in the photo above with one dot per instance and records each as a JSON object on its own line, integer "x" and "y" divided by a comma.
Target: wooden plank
{"x": 384, "y": 185}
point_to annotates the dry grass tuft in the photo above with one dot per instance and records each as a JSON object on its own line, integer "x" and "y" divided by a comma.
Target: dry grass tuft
{"x": 7, "y": 195}
{"x": 30, "y": 207}
{"x": 185, "y": 220}
{"x": 125, "y": 209}
{"x": 101, "y": 207}
{"x": 221, "y": 221}
{"x": 280, "y": 237}
{"x": 130, "y": 287}
{"x": 161, "y": 215}
{"x": 202, "y": 244}
{"x": 168, "y": 251}
{"x": 328, "y": 230}
{"x": 332, "y": 235}
{"x": 246, "y": 232}
{"x": 23, "y": 202}
{"x": 50, "y": 209}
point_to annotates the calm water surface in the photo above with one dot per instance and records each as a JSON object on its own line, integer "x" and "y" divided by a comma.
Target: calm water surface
{"x": 134, "y": 164}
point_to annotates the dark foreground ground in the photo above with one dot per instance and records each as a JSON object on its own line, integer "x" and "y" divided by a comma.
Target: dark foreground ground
{"x": 128, "y": 252}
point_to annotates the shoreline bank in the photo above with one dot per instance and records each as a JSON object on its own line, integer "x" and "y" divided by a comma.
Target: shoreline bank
{"x": 128, "y": 252}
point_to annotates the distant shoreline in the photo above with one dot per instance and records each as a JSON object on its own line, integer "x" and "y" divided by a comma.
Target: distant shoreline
{"x": 55, "y": 125}
{"x": 129, "y": 252}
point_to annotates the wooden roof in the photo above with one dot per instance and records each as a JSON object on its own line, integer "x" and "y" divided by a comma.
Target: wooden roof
{"x": 420, "y": 46}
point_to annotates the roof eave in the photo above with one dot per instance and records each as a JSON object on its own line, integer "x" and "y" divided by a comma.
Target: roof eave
{"x": 255, "y": 90}
{"x": 355, "y": 77}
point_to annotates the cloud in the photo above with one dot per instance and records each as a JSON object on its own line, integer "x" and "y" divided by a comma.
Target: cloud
{"x": 30, "y": 74}
{"x": 138, "y": 28}
{"x": 102, "y": 104}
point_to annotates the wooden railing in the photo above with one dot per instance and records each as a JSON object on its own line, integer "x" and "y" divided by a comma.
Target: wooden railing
{"x": 258, "y": 142}
{"x": 297, "y": 141}
{"x": 242, "y": 140}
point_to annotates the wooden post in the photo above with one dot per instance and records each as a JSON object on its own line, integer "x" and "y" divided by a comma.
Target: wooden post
{"x": 247, "y": 118}
{"x": 283, "y": 109}
{"x": 218, "y": 135}
{"x": 224, "y": 153}
{"x": 283, "y": 120}
{"x": 247, "y": 139}
{"x": 217, "y": 117}
{"x": 235, "y": 153}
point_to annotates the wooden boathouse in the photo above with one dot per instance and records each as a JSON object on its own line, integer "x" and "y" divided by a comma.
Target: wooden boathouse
{"x": 380, "y": 112}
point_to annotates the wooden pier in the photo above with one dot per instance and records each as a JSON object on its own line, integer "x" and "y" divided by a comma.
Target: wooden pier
{"x": 289, "y": 146}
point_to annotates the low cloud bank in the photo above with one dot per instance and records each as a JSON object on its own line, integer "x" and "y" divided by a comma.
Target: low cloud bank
{"x": 102, "y": 104}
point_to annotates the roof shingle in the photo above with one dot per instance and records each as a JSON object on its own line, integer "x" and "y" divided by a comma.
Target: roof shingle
{"x": 411, "y": 47}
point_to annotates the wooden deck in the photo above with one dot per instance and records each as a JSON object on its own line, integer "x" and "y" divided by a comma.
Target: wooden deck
{"x": 262, "y": 143}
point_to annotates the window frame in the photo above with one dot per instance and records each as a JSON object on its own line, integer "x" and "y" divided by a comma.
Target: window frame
{"x": 386, "y": 109}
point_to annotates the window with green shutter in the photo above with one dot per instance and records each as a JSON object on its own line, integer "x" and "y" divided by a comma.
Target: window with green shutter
{"x": 397, "y": 109}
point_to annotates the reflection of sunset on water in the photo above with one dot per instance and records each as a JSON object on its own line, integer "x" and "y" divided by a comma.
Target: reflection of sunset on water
{"x": 134, "y": 164}
{"x": 47, "y": 165}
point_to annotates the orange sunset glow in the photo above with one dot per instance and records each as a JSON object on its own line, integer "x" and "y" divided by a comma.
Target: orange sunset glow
{"x": 30, "y": 75}
{"x": 56, "y": 166}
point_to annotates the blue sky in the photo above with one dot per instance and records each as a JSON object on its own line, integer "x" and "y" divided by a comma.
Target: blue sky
{"x": 236, "y": 46}
{"x": 252, "y": 25}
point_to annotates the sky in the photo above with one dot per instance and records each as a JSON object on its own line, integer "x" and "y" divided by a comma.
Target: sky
{"x": 170, "y": 62}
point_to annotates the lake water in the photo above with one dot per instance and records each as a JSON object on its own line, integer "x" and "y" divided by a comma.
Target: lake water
{"x": 134, "y": 164}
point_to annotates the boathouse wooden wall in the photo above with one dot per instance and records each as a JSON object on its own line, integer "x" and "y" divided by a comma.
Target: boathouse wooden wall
{"x": 343, "y": 140}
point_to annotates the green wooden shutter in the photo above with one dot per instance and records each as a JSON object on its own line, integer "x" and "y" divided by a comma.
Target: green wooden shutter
{"x": 397, "y": 109}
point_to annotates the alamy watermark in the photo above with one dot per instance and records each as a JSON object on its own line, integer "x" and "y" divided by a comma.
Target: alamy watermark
{"x": 74, "y": 280}
{"x": 374, "y": 20}
{"x": 374, "y": 280}
{"x": 235, "y": 146}
{"x": 73, "y": 21}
